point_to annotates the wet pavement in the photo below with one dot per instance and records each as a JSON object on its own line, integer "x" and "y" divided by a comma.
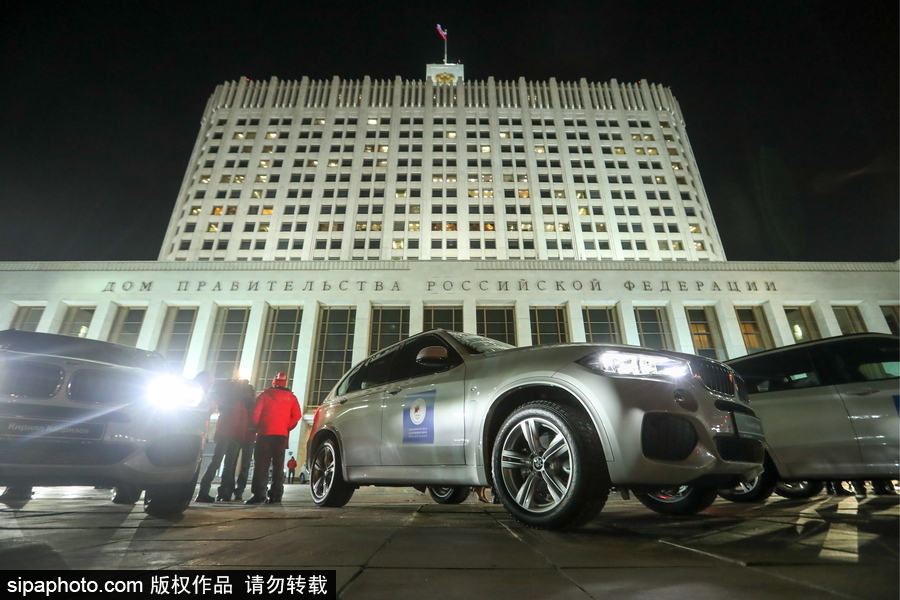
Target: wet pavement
{"x": 397, "y": 543}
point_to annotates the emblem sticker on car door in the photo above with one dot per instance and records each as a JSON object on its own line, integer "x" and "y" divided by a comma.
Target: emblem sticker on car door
{"x": 418, "y": 418}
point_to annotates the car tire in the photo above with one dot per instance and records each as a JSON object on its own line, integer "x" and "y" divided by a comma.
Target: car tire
{"x": 799, "y": 490}
{"x": 126, "y": 493}
{"x": 449, "y": 494}
{"x": 756, "y": 490}
{"x": 326, "y": 482}
{"x": 679, "y": 500}
{"x": 549, "y": 468}
{"x": 170, "y": 499}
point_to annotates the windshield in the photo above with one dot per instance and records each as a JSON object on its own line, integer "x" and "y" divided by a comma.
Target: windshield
{"x": 477, "y": 344}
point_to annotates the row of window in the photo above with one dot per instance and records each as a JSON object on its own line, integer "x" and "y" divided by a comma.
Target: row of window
{"x": 332, "y": 352}
{"x": 535, "y": 122}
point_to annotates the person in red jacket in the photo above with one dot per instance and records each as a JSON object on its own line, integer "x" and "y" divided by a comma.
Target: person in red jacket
{"x": 276, "y": 413}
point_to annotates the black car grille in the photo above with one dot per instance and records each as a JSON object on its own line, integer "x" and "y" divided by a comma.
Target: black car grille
{"x": 736, "y": 449}
{"x": 63, "y": 452}
{"x": 719, "y": 378}
{"x": 24, "y": 379}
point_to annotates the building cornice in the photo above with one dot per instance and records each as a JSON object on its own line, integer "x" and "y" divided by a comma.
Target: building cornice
{"x": 477, "y": 265}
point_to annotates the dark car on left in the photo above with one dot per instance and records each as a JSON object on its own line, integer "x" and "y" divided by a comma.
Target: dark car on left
{"x": 83, "y": 412}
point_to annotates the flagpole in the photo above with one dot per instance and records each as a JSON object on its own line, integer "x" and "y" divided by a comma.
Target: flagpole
{"x": 445, "y": 51}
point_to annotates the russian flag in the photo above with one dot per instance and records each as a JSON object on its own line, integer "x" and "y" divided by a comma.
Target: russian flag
{"x": 442, "y": 32}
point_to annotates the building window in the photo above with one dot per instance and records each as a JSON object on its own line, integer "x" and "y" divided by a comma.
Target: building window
{"x": 497, "y": 322}
{"x": 705, "y": 333}
{"x": 653, "y": 328}
{"x": 227, "y": 342}
{"x": 849, "y": 319}
{"x": 176, "y": 335}
{"x": 442, "y": 317}
{"x": 802, "y": 322}
{"x": 548, "y": 325}
{"x": 601, "y": 325}
{"x": 27, "y": 318}
{"x": 77, "y": 321}
{"x": 127, "y": 326}
{"x": 389, "y": 325}
{"x": 279, "y": 347}
{"x": 333, "y": 352}
{"x": 754, "y": 329}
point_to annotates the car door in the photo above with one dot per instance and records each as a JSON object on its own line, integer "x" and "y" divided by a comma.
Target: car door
{"x": 358, "y": 420}
{"x": 423, "y": 415}
{"x": 808, "y": 430}
{"x": 866, "y": 377}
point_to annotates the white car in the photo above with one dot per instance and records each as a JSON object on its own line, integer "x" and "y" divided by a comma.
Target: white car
{"x": 83, "y": 412}
{"x": 830, "y": 410}
{"x": 553, "y": 428}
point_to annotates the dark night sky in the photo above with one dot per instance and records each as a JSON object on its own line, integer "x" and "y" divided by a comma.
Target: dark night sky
{"x": 791, "y": 107}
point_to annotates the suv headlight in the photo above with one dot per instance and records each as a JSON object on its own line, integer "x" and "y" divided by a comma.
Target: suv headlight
{"x": 170, "y": 392}
{"x": 636, "y": 364}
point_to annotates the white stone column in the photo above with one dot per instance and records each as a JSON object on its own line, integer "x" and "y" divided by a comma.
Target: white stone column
{"x": 253, "y": 340}
{"x": 576, "y": 321}
{"x": 730, "y": 328}
{"x": 523, "y": 323}
{"x": 200, "y": 338}
{"x": 102, "y": 322}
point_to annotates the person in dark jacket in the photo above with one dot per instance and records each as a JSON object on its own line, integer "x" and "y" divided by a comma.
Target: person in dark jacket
{"x": 276, "y": 413}
{"x": 225, "y": 439}
{"x": 245, "y": 454}
{"x": 236, "y": 427}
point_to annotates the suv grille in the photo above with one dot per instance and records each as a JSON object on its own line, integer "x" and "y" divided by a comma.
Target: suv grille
{"x": 24, "y": 379}
{"x": 718, "y": 378}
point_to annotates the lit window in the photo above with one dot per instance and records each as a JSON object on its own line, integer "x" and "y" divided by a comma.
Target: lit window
{"x": 699, "y": 246}
{"x": 213, "y": 228}
{"x": 370, "y": 121}
{"x": 539, "y": 149}
{"x": 382, "y": 148}
{"x": 262, "y": 178}
{"x": 620, "y": 150}
{"x": 652, "y": 151}
{"x": 239, "y": 179}
{"x": 526, "y": 226}
{"x": 216, "y": 210}
{"x": 451, "y": 134}
{"x": 694, "y": 228}
{"x": 319, "y": 122}
{"x": 413, "y": 226}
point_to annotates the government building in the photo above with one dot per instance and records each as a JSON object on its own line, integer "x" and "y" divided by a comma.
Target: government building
{"x": 319, "y": 221}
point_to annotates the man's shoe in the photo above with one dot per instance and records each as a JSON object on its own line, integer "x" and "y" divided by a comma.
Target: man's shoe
{"x": 273, "y": 501}
{"x": 238, "y": 498}
{"x": 255, "y": 500}
{"x": 17, "y": 493}
{"x": 201, "y": 497}
{"x": 223, "y": 498}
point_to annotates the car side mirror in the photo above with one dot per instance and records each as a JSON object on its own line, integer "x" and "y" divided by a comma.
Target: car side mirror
{"x": 432, "y": 356}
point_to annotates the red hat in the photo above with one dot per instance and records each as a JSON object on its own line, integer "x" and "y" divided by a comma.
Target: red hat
{"x": 280, "y": 380}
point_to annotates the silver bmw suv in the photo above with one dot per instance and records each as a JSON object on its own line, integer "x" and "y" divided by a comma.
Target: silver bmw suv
{"x": 551, "y": 428}
{"x": 83, "y": 412}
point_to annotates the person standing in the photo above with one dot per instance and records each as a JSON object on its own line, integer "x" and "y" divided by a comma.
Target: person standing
{"x": 291, "y": 469}
{"x": 234, "y": 428}
{"x": 276, "y": 413}
{"x": 248, "y": 439}
{"x": 225, "y": 438}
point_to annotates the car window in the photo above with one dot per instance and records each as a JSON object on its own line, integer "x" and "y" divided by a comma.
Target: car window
{"x": 859, "y": 360}
{"x": 405, "y": 366}
{"x": 779, "y": 371}
{"x": 371, "y": 373}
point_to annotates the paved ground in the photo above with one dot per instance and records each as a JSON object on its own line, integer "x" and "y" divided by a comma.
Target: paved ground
{"x": 396, "y": 543}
